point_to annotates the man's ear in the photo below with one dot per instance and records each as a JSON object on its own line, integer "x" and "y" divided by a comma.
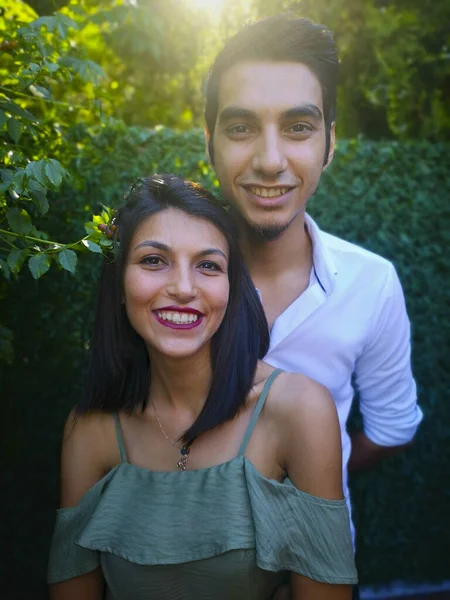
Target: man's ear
{"x": 331, "y": 146}
{"x": 208, "y": 148}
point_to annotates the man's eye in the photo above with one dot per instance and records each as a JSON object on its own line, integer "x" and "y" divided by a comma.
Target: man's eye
{"x": 300, "y": 128}
{"x": 238, "y": 129}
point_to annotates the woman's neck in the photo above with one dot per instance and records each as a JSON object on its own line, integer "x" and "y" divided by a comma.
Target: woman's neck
{"x": 180, "y": 384}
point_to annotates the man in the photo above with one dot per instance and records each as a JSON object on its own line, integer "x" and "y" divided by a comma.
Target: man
{"x": 336, "y": 312}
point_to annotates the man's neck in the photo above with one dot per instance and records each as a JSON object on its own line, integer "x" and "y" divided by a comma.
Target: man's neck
{"x": 290, "y": 252}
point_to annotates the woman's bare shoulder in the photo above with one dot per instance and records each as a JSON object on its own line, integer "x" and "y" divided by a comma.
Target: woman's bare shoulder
{"x": 88, "y": 452}
{"x": 90, "y": 429}
{"x": 307, "y": 423}
{"x": 295, "y": 394}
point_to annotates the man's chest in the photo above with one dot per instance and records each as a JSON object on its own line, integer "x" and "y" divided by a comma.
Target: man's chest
{"x": 277, "y": 296}
{"x": 321, "y": 337}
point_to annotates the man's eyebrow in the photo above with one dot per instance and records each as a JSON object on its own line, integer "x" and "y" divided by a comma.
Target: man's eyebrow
{"x": 165, "y": 248}
{"x": 237, "y": 112}
{"x": 296, "y": 112}
{"x": 303, "y": 110}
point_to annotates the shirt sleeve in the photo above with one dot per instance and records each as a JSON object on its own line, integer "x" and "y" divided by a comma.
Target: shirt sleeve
{"x": 383, "y": 377}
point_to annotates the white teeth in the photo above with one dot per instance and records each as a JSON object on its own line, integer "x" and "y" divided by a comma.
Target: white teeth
{"x": 268, "y": 192}
{"x": 177, "y": 317}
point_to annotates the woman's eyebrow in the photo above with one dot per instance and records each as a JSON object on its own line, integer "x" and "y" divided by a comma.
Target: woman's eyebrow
{"x": 165, "y": 248}
{"x": 153, "y": 244}
{"x": 212, "y": 251}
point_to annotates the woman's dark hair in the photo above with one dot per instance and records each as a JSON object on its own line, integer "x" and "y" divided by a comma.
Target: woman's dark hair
{"x": 119, "y": 367}
{"x": 281, "y": 38}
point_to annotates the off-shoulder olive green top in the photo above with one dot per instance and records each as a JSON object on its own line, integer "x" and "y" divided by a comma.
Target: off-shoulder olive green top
{"x": 220, "y": 533}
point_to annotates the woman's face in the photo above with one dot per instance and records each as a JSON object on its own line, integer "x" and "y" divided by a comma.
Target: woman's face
{"x": 176, "y": 284}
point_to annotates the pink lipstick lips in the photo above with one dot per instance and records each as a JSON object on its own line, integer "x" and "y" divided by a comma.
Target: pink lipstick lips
{"x": 177, "y": 317}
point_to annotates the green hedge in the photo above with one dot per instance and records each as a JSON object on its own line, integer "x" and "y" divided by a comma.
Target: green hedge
{"x": 391, "y": 198}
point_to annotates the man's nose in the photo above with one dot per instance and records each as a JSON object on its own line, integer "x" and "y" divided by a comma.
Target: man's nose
{"x": 269, "y": 158}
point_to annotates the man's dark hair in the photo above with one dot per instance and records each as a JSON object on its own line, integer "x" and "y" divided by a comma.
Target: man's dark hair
{"x": 281, "y": 38}
{"x": 119, "y": 369}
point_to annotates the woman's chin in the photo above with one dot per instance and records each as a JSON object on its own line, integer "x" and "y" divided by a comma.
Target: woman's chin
{"x": 180, "y": 351}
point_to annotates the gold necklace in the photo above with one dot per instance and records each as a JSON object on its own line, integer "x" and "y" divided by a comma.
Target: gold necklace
{"x": 182, "y": 462}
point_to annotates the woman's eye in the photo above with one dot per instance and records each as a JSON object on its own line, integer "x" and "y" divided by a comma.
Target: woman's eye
{"x": 209, "y": 266}
{"x": 152, "y": 261}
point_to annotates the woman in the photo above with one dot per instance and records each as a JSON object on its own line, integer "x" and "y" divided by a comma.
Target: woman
{"x": 175, "y": 463}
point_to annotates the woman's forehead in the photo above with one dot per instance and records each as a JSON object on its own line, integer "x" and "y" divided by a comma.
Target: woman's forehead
{"x": 179, "y": 230}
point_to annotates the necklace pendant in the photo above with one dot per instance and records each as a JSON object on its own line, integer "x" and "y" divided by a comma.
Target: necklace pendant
{"x": 182, "y": 462}
{"x": 184, "y": 458}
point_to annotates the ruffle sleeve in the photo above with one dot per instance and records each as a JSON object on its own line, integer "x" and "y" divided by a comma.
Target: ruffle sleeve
{"x": 297, "y": 532}
{"x": 68, "y": 559}
{"x": 154, "y": 518}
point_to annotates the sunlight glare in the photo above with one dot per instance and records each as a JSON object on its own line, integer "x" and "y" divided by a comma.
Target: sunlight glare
{"x": 212, "y": 5}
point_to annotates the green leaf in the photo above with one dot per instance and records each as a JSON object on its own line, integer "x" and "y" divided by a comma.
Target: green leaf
{"x": 41, "y": 202}
{"x": 33, "y": 67}
{"x": 14, "y": 129}
{"x": 44, "y": 91}
{"x": 39, "y": 194}
{"x": 4, "y": 186}
{"x": 92, "y": 246}
{"x": 36, "y": 169}
{"x": 7, "y": 175}
{"x": 17, "y": 110}
{"x": 4, "y": 269}
{"x": 52, "y": 67}
{"x": 68, "y": 260}
{"x": 16, "y": 258}
{"x": 19, "y": 220}
{"x": 90, "y": 227}
{"x": 2, "y": 118}
{"x": 18, "y": 180}
{"x": 39, "y": 264}
{"x": 88, "y": 70}
{"x": 54, "y": 171}
{"x": 94, "y": 234}
{"x": 49, "y": 22}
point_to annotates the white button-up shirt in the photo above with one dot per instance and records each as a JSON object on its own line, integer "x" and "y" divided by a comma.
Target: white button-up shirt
{"x": 351, "y": 322}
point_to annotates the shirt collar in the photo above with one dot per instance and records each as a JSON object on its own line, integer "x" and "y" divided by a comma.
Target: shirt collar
{"x": 323, "y": 263}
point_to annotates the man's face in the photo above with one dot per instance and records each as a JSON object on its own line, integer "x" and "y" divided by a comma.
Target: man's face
{"x": 269, "y": 141}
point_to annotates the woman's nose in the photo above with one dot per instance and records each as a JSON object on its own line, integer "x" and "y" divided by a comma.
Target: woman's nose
{"x": 182, "y": 286}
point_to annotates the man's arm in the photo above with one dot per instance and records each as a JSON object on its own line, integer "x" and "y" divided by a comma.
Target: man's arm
{"x": 366, "y": 454}
{"x": 388, "y": 398}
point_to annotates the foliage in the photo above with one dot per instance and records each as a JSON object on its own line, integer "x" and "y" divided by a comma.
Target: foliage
{"x": 395, "y": 64}
{"x": 40, "y": 61}
{"x": 388, "y": 197}
{"x": 37, "y": 57}
{"x": 155, "y": 63}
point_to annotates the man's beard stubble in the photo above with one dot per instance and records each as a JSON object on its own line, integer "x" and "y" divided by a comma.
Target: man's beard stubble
{"x": 259, "y": 233}
{"x": 266, "y": 234}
